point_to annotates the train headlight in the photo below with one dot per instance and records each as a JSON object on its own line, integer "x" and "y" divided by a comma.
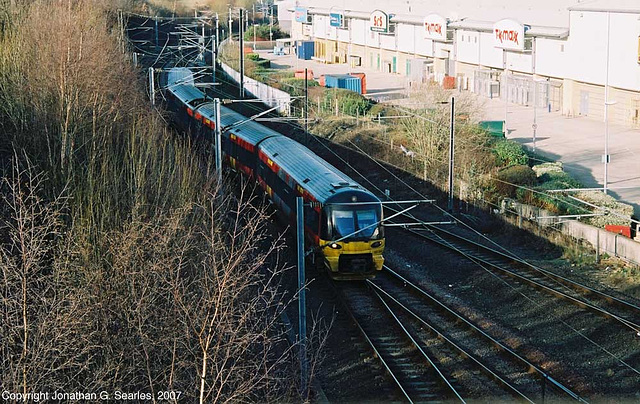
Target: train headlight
{"x": 376, "y": 244}
{"x": 335, "y": 246}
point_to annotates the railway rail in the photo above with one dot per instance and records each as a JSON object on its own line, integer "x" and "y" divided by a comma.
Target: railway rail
{"x": 390, "y": 312}
{"x": 509, "y": 371}
{"x": 414, "y": 372}
{"x": 597, "y": 301}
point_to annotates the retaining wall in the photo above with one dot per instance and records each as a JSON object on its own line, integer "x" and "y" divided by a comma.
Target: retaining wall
{"x": 610, "y": 243}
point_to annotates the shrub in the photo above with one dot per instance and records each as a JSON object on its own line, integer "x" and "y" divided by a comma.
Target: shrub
{"x": 262, "y": 33}
{"x": 509, "y": 153}
{"x": 512, "y": 176}
{"x": 252, "y": 56}
{"x": 349, "y": 103}
{"x": 295, "y": 86}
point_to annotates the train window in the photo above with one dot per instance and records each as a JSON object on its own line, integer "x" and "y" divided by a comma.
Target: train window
{"x": 346, "y": 222}
{"x": 364, "y": 219}
{"x": 343, "y": 222}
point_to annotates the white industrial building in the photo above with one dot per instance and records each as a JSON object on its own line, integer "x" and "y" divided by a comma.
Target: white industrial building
{"x": 562, "y": 55}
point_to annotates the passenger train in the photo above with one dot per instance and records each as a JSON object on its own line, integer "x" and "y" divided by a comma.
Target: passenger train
{"x": 342, "y": 218}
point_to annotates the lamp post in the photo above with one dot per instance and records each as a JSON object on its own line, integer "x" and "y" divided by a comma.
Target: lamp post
{"x": 606, "y": 158}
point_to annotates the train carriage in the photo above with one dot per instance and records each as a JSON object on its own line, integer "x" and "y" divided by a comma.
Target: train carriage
{"x": 342, "y": 218}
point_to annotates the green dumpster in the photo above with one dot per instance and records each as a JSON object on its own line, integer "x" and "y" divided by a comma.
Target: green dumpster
{"x": 495, "y": 128}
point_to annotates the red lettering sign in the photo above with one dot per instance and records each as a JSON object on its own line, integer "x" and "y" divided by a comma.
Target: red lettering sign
{"x": 507, "y": 35}
{"x": 433, "y": 28}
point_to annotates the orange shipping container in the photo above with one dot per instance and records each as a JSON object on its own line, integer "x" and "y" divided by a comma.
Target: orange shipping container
{"x": 622, "y": 230}
{"x": 449, "y": 83}
{"x": 299, "y": 74}
{"x": 363, "y": 81}
{"x": 248, "y": 49}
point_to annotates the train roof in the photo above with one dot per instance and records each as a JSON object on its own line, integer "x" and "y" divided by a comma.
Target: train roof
{"x": 320, "y": 178}
{"x": 180, "y": 75}
{"x": 186, "y": 93}
{"x": 251, "y": 131}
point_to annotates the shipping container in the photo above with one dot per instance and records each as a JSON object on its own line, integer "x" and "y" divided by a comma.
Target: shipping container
{"x": 345, "y": 81}
{"x": 363, "y": 81}
{"x": 449, "y": 83}
{"x": 299, "y": 74}
{"x": 305, "y": 49}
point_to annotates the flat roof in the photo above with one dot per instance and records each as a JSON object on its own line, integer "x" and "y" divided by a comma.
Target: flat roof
{"x": 472, "y": 25}
{"x": 548, "y": 13}
{"x": 614, "y": 6}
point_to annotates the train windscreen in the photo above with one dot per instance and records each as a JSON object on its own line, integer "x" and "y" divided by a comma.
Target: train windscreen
{"x": 347, "y": 222}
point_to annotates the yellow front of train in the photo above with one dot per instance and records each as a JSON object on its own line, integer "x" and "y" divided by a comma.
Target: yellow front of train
{"x": 352, "y": 242}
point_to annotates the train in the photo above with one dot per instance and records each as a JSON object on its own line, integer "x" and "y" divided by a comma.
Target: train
{"x": 342, "y": 219}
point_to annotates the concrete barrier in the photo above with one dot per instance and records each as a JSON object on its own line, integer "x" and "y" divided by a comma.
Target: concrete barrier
{"x": 613, "y": 244}
{"x": 267, "y": 94}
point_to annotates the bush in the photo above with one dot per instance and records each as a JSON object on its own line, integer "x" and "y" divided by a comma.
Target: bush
{"x": 295, "y": 86}
{"x": 349, "y": 103}
{"x": 517, "y": 175}
{"x": 252, "y": 56}
{"x": 509, "y": 153}
{"x": 262, "y": 33}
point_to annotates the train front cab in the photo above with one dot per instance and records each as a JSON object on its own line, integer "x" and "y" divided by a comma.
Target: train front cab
{"x": 359, "y": 255}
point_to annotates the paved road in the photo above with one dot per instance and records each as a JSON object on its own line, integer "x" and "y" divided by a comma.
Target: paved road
{"x": 577, "y": 142}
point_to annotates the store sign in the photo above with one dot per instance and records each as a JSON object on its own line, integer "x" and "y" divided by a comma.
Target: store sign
{"x": 301, "y": 14}
{"x": 335, "y": 20}
{"x": 508, "y": 34}
{"x": 435, "y": 27}
{"x": 379, "y": 21}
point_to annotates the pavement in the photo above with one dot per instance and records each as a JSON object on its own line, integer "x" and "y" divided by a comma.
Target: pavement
{"x": 578, "y": 142}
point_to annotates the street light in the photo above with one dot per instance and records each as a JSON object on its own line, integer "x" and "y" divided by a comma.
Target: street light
{"x": 606, "y": 158}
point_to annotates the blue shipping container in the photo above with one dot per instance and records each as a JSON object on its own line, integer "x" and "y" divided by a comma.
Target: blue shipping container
{"x": 305, "y": 49}
{"x": 345, "y": 81}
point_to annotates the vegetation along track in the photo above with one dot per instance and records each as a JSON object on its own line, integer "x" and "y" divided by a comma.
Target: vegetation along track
{"x": 397, "y": 320}
{"x": 600, "y": 302}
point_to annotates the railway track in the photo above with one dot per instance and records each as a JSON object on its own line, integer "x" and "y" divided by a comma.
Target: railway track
{"x": 492, "y": 363}
{"x": 424, "y": 361}
{"x": 597, "y": 301}
{"x": 415, "y": 373}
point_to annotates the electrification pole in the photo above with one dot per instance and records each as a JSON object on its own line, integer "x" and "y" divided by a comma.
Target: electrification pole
{"x": 217, "y": 35}
{"x": 302, "y": 308}
{"x": 306, "y": 106}
{"x": 218, "y": 140}
{"x": 451, "y": 154}
{"x": 230, "y": 25}
{"x": 241, "y": 32}
{"x": 152, "y": 86}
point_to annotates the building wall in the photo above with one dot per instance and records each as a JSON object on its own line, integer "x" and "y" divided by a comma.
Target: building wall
{"x": 587, "y": 45}
{"x": 552, "y": 57}
{"x": 577, "y": 64}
